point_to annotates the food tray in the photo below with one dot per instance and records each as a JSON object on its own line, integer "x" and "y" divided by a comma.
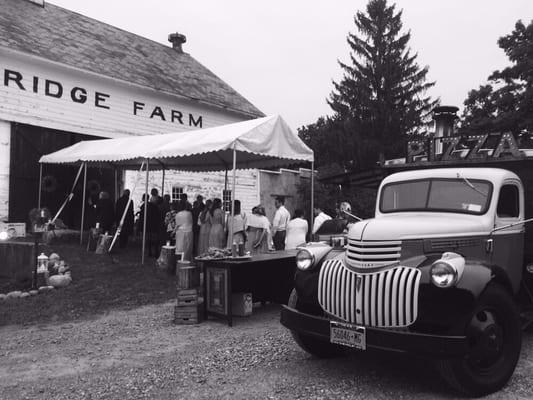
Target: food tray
{"x": 210, "y": 258}
{"x": 246, "y": 257}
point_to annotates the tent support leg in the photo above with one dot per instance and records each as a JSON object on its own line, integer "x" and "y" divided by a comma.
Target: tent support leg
{"x": 83, "y": 201}
{"x": 312, "y": 195}
{"x": 163, "y": 183}
{"x": 116, "y": 184}
{"x": 232, "y": 211}
{"x": 40, "y": 185}
{"x": 146, "y": 200}
{"x": 226, "y": 179}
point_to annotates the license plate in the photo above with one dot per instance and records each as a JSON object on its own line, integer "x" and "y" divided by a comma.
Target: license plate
{"x": 347, "y": 335}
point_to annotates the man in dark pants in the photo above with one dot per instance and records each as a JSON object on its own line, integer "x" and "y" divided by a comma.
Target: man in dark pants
{"x": 127, "y": 227}
{"x": 279, "y": 224}
{"x": 197, "y": 208}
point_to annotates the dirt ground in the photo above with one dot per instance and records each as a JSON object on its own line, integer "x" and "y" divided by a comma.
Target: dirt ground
{"x": 140, "y": 354}
{"x": 125, "y": 346}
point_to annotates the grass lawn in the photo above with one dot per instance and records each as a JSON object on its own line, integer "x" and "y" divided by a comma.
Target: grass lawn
{"x": 99, "y": 284}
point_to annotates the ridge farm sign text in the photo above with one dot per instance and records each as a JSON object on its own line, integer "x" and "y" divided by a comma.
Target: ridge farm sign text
{"x": 100, "y": 100}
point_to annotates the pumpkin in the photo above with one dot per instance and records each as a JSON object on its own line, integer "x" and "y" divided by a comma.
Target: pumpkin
{"x": 60, "y": 280}
{"x": 14, "y": 294}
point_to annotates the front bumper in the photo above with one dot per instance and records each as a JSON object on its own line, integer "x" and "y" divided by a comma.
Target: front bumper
{"x": 416, "y": 343}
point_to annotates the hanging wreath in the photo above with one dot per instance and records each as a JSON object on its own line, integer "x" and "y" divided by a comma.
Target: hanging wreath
{"x": 49, "y": 184}
{"x": 93, "y": 186}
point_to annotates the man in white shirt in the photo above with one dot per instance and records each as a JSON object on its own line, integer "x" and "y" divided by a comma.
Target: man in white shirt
{"x": 320, "y": 218}
{"x": 279, "y": 224}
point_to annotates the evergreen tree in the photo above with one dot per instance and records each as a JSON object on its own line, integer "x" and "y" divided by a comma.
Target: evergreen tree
{"x": 380, "y": 101}
{"x": 506, "y": 102}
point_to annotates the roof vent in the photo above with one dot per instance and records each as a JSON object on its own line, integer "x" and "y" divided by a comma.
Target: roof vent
{"x": 38, "y": 2}
{"x": 177, "y": 39}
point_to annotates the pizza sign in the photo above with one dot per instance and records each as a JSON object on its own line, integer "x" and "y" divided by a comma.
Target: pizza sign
{"x": 475, "y": 147}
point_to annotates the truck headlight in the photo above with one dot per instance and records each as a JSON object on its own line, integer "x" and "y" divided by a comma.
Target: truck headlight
{"x": 304, "y": 260}
{"x": 447, "y": 271}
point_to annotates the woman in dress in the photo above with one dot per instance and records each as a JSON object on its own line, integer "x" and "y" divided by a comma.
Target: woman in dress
{"x": 238, "y": 220}
{"x": 217, "y": 235}
{"x": 184, "y": 235}
{"x": 296, "y": 230}
{"x": 257, "y": 229}
{"x": 204, "y": 220}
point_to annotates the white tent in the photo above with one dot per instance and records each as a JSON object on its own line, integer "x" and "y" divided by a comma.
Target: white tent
{"x": 260, "y": 143}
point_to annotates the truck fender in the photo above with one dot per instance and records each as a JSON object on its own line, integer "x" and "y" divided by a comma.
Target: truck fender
{"x": 476, "y": 277}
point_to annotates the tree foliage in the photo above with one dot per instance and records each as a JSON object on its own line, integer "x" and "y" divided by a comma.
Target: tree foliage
{"x": 505, "y": 103}
{"x": 380, "y": 101}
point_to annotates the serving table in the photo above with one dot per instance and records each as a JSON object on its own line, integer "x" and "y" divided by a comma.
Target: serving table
{"x": 267, "y": 276}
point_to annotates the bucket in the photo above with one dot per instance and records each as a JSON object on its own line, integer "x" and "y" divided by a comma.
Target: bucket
{"x": 188, "y": 276}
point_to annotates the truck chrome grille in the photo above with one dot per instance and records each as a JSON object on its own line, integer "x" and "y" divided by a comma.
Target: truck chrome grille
{"x": 372, "y": 254}
{"x": 386, "y": 299}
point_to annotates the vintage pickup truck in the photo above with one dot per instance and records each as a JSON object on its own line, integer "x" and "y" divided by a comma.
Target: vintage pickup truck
{"x": 440, "y": 271}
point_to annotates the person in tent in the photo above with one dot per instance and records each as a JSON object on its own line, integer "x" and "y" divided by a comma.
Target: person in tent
{"x": 296, "y": 230}
{"x": 127, "y": 227}
{"x": 238, "y": 220}
{"x": 217, "y": 234}
{"x": 105, "y": 212}
{"x": 184, "y": 234}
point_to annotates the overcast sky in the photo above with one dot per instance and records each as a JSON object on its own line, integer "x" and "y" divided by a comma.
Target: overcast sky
{"x": 282, "y": 55}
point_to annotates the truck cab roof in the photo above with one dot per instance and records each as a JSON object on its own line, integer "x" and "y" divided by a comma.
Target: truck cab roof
{"x": 494, "y": 175}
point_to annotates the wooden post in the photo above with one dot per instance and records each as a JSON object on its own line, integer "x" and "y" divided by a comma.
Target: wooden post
{"x": 83, "y": 202}
{"x": 40, "y": 184}
{"x": 147, "y": 199}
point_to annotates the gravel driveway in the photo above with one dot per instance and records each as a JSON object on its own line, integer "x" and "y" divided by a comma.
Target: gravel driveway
{"x": 139, "y": 353}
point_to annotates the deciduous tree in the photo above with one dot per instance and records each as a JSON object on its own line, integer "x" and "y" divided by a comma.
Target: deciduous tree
{"x": 505, "y": 103}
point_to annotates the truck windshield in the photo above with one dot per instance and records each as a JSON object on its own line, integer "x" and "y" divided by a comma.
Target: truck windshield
{"x": 448, "y": 195}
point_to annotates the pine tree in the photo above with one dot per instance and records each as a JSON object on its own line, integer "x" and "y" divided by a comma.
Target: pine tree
{"x": 381, "y": 100}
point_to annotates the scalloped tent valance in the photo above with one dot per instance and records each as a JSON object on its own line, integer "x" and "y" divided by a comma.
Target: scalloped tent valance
{"x": 259, "y": 143}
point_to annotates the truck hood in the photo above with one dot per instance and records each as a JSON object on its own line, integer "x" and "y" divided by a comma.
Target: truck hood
{"x": 418, "y": 226}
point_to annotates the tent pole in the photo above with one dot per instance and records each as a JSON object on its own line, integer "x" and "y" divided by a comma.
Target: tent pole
{"x": 83, "y": 201}
{"x": 226, "y": 179}
{"x": 116, "y": 185}
{"x": 40, "y": 184}
{"x": 312, "y": 195}
{"x": 146, "y": 200}
{"x": 232, "y": 211}
{"x": 163, "y": 183}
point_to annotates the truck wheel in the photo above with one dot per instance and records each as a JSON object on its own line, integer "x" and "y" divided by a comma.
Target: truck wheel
{"x": 316, "y": 347}
{"x": 494, "y": 337}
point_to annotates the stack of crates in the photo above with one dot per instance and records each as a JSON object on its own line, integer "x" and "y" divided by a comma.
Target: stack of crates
{"x": 189, "y": 305}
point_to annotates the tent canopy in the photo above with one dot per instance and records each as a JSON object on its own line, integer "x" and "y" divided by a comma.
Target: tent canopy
{"x": 260, "y": 143}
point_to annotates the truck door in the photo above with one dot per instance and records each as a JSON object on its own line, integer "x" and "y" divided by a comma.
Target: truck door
{"x": 508, "y": 244}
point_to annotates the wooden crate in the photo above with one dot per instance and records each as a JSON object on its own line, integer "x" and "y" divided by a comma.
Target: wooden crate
{"x": 188, "y": 300}
{"x": 188, "y": 315}
{"x": 186, "y": 292}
